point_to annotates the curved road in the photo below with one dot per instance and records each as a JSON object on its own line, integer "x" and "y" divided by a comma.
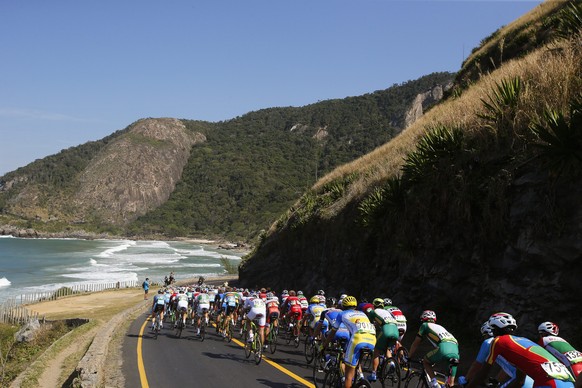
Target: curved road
{"x": 187, "y": 361}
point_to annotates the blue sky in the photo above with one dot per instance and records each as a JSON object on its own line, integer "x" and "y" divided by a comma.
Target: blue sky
{"x": 75, "y": 71}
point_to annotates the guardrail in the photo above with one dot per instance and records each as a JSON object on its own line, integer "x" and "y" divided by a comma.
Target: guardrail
{"x": 14, "y": 311}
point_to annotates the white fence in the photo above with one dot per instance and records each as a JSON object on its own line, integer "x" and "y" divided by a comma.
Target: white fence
{"x": 13, "y": 310}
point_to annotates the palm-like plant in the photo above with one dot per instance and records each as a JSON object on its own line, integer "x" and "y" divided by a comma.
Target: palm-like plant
{"x": 559, "y": 139}
{"x": 570, "y": 21}
{"x": 500, "y": 106}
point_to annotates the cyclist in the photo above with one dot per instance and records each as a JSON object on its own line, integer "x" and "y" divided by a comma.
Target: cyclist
{"x": 158, "y": 306}
{"x": 230, "y": 302}
{"x": 507, "y": 374}
{"x": 561, "y": 349}
{"x": 445, "y": 345}
{"x": 386, "y": 333}
{"x": 293, "y": 312}
{"x": 313, "y": 313}
{"x": 272, "y": 311}
{"x": 182, "y": 306}
{"x": 256, "y": 309}
{"x": 400, "y": 318}
{"x": 528, "y": 357}
{"x": 362, "y": 335}
{"x": 202, "y": 308}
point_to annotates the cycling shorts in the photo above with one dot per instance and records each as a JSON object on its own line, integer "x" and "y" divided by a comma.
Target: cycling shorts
{"x": 553, "y": 383}
{"x": 357, "y": 343}
{"x": 295, "y": 314}
{"x": 443, "y": 353}
{"x": 159, "y": 307}
{"x": 202, "y": 307}
{"x": 259, "y": 314}
{"x": 387, "y": 336}
{"x": 182, "y": 309}
{"x": 272, "y": 314}
{"x": 230, "y": 309}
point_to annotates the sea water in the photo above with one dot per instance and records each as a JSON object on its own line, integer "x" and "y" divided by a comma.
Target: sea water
{"x": 39, "y": 265}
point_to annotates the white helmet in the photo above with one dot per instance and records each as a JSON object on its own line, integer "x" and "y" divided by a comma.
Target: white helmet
{"x": 486, "y": 330}
{"x": 502, "y": 321}
{"x": 428, "y": 315}
{"x": 548, "y": 328}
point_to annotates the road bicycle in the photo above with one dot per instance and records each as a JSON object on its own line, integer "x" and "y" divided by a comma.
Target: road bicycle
{"x": 157, "y": 325}
{"x": 420, "y": 379}
{"x": 334, "y": 370}
{"x": 273, "y": 335}
{"x": 293, "y": 332}
{"x": 179, "y": 325}
{"x": 310, "y": 349}
{"x": 253, "y": 343}
{"x": 389, "y": 372}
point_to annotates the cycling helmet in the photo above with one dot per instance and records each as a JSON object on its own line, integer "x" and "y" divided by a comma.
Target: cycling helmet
{"x": 321, "y": 298}
{"x": 285, "y": 292}
{"x": 299, "y": 293}
{"x": 314, "y": 299}
{"x": 486, "y": 330}
{"x": 320, "y": 292}
{"x": 548, "y": 328}
{"x": 270, "y": 295}
{"x": 342, "y": 296}
{"x": 331, "y": 302}
{"x": 160, "y": 291}
{"x": 502, "y": 321}
{"x": 387, "y": 302}
{"x": 427, "y": 316}
{"x": 291, "y": 293}
{"x": 349, "y": 301}
{"x": 378, "y": 302}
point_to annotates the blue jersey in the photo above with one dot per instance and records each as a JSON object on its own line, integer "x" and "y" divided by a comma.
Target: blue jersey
{"x": 507, "y": 367}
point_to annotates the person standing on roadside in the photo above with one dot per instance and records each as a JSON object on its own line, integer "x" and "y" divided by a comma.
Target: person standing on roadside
{"x": 146, "y": 287}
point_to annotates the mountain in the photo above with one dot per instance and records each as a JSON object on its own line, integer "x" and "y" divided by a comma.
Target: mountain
{"x": 474, "y": 208}
{"x": 170, "y": 178}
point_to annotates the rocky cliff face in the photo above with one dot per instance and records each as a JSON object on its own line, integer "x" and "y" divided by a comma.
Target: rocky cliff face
{"x": 423, "y": 101}
{"x": 532, "y": 271}
{"x": 137, "y": 172}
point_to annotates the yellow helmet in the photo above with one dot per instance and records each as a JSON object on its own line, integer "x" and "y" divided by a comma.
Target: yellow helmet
{"x": 349, "y": 301}
{"x": 314, "y": 299}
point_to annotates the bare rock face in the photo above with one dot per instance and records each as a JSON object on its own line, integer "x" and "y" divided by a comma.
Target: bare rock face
{"x": 136, "y": 172}
{"x": 422, "y": 101}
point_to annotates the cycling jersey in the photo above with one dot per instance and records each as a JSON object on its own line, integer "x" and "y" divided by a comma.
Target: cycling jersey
{"x": 314, "y": 310}
{"x": 445, "y": 344}
{"x": 362, "y": 334}
{"x": 182, "y": 300}
{"x": 387, "y": 335}
{"x": 507, "y": 367}
{"x": 564, "y": 352}
{"x": 531, "y": 359}
{"x": 400, "y": 319}
{"x": 258, "y": 310}
{"x": 159, "y": 303}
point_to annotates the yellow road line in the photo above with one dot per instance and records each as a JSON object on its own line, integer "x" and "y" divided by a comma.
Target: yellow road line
{"x": 277, "y": 366}
{"x": 141, "y": 369}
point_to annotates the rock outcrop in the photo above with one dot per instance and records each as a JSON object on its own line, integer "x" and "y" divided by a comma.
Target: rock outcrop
{"x": 423, "y": 101}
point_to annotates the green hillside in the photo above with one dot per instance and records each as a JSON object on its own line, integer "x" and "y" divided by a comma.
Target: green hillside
{"x": 473, "y": 209}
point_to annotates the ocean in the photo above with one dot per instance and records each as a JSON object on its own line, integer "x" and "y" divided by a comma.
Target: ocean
{"x": 39, "y": 265}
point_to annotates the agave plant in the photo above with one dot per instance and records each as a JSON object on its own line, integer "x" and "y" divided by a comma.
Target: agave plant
{"x": 500, "y": 106}
{"x": 439, "y": 146}
{"x": 382, "y": 202}
{"x": 570, "y": 20}
{"x": 559, "y": 139}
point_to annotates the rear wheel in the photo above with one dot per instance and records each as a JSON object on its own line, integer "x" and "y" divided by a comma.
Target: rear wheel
{"x": 389, "y": 374}
{"x": 258, "y": 349}
{"x": 309, "y": 349}
{"x": 272, "y": 342}
{"x": 402, "y": 361}
{"x": 332, "y": 379}
{"x": 248, "y": 345}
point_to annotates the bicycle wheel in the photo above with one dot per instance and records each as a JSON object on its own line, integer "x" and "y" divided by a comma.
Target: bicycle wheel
{"x": 202, "y": 330}
{"x": 332, "y": 379}
{"x": 272, "y": 342}
{"x": 289, "y": 335}
{"x": 366, "y": 361}
{"x": 415, "y": 380}
{"x": 243, "y": 331}
{"x": 179, "y": 328}
{"x": 401, "y": 355}
{"x": 389, "y": 374}
{"x": 362, "y": 383}
{"x": 309, "y": 349}
{"x": 258, "y": 349}
{"x": 318, "y": 369}
{"x": 248, "y": 346}
{"x": 228, "y": 331}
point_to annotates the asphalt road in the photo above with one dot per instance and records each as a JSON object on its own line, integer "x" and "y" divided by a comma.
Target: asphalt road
{"x": 187, "y": 361}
